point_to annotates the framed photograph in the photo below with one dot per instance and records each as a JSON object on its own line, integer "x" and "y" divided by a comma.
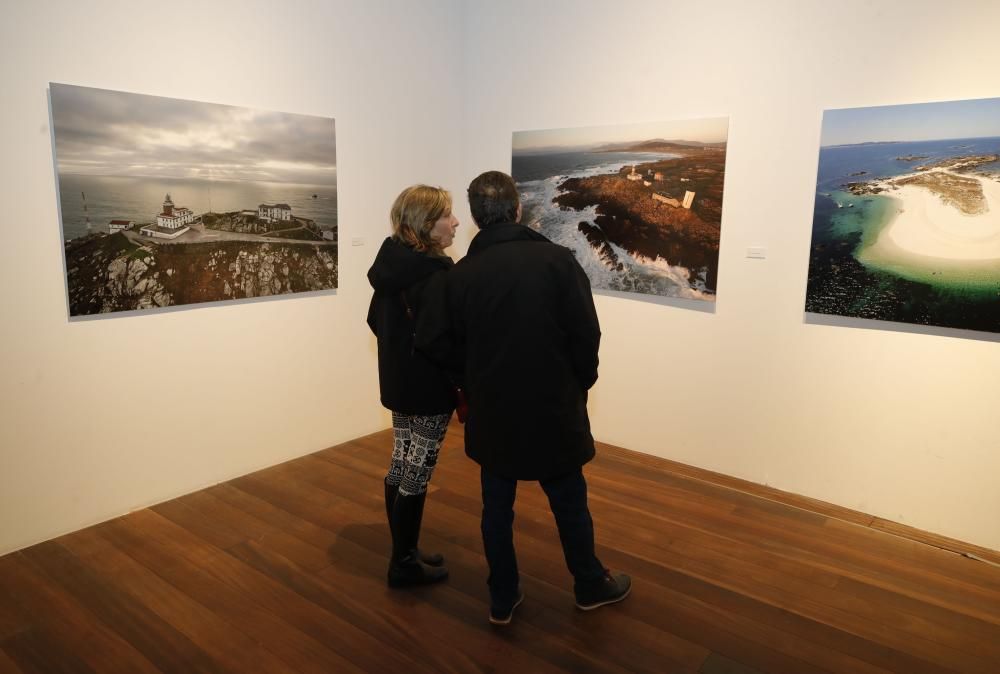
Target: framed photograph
{"x": 906, "y": 225}
{"x": 640, "y": 205}
{"x": 166, "y": 202}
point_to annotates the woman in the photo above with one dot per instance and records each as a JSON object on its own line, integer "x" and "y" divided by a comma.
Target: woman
{"x": 419, "y": 395}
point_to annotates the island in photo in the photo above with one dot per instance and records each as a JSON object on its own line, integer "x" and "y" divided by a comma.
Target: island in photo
{"x": 639, "y": 205}
{"x": 906, "y": 225}
{"x": 167, "y": 202}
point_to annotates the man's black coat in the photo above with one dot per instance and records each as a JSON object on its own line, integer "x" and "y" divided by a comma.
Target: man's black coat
{"x": 521, "y": 329}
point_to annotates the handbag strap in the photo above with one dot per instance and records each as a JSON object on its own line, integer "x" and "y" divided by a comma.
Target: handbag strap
{"x": 409, "y": 314}
{"x": 413, "y": 322}
{"x": 406, "y": 305}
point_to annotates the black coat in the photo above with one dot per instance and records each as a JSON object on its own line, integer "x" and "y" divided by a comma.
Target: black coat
{"x": 408, "y": 381}
{"x": 522, "y": 328}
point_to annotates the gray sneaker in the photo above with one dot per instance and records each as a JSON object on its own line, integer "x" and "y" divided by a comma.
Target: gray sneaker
{"x": 609, "y": 589}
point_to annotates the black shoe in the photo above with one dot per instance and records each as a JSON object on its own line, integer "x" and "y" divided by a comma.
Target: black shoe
{"x": 391, "y": 491}
{"x": 606, "y": 590}
{"x": 405, "y": 567}
{"x": 501, "y": 615}
{"x": 411, "y": 572}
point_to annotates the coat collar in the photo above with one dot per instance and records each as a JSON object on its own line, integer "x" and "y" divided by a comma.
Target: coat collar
{"x": 503, "y": 232}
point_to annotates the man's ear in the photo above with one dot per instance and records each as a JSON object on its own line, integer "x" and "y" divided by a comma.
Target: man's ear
{"x": 517, "y": 218}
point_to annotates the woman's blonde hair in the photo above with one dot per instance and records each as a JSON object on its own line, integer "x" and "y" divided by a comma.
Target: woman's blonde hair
{"x": 414, "y": 213}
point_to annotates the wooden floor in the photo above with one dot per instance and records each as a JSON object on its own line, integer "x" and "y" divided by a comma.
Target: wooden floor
{"x": 283, "y": 571}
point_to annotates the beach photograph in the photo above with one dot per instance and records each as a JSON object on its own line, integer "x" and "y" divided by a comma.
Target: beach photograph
{"x": 640, "y": 205}
{"x": 167, "y": 202}
{"x": 906, "y": 224}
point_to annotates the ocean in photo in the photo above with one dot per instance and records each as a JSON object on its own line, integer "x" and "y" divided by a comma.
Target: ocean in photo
{"x": 538, "y": 177}
{"x": 899, "y": 286}
{"x": 840, "y": 213}
{"x": 139, "y": 198}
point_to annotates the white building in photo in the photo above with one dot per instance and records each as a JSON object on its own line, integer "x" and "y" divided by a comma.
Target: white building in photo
{"x": 173, "y": 217}
{"x": 171, "y": 222}
{"x": 119, "y": 225}
{"x": 273, "y": 212}
{"x": 665, "y": 199}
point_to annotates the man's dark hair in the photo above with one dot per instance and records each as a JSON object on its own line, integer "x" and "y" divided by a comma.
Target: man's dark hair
{"x": 493, "y": 198}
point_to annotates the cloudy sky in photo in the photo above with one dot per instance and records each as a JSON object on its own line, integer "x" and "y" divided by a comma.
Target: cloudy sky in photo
{"x": 101, "y": 132}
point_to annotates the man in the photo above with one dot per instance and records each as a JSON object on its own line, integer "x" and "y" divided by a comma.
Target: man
{"x": 524, "y": 334}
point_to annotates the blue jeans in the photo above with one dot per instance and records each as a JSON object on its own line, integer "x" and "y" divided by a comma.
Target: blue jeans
{"x": 567, "y": 496}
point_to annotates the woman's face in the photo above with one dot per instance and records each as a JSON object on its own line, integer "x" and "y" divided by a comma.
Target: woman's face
{"x": 443, "y": 230}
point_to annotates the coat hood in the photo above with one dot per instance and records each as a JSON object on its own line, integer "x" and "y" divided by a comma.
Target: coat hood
{"x": 397, "y": 266}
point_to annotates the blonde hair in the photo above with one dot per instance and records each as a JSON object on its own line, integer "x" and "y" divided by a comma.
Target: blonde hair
{"x": 414, "y": 213}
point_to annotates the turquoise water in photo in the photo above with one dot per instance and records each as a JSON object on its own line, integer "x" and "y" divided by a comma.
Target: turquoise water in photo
{"x": 850, "y": 274}
{"x": 840, "y": 214}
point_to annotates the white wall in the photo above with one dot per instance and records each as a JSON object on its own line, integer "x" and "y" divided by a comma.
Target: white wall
{"x": 900, "y": 423}
{"x": 79, "y": 442}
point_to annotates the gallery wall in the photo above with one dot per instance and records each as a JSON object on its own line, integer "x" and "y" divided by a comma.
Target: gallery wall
{"x": 102, "y": 416}
{"x": 896, "y": 421}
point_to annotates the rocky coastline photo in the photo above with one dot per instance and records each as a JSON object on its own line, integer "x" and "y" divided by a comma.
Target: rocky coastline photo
{"x": 640, "y": 206}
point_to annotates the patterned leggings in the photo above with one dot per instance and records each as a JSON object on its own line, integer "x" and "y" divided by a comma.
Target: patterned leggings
{"x": 416, "y": 443}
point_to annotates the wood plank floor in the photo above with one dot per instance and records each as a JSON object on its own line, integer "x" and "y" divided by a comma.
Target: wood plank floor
{"x": 283, "y": 571}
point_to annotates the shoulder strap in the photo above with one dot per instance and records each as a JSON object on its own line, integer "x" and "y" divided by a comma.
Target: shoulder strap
{"x": 409, "y": 310}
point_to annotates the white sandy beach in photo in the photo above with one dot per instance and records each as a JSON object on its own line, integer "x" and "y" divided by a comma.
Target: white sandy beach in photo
{"x": 906, "y": 223}
{"x": 926, "y": 226}
{"x": 929, "y": 240}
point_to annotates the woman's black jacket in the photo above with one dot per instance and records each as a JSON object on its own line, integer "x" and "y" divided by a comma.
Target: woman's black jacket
{"x": 408, "y": 381}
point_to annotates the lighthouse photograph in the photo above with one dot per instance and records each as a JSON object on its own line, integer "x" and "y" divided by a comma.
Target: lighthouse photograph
{"x": 166, "y": 202}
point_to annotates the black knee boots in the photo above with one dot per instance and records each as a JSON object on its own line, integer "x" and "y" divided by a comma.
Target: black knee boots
{"x": 433, "y": 559}
{"x": 405, "y": 567}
